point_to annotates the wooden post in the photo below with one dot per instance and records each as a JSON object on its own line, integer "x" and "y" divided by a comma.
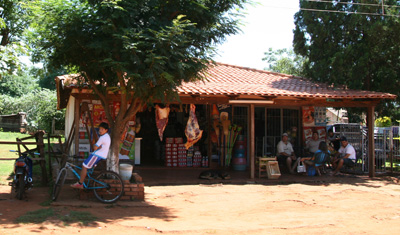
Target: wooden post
{"x": 209, "y": 126}
{"x": 252, "y": 141}
{"x": 76, "y": 129}
{"x": 371, "y": 142}
{"x": 40, "y": 148}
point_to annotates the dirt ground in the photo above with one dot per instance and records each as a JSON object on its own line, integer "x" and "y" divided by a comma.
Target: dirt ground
{"x": 343, "y": 205}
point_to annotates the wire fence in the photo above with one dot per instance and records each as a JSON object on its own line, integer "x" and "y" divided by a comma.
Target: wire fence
{"x": 386, "y": 143}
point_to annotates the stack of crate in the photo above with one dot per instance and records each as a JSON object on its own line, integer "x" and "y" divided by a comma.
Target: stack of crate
{"x": 189, "y": 156}
{"x": 171, "y": 153}
{"x": 197, "y": 158}
{"x": 181, "y": 152}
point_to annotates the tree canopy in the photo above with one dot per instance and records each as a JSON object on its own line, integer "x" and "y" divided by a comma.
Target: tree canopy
{"x": 13, "y": 22}
{"x": 351, "y": 43}
{"x": 139, "y": 49}
{"x": 284, "y": 61}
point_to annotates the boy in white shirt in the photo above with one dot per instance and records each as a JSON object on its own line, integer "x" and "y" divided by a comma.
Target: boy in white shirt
{"x": 100, "y": 153}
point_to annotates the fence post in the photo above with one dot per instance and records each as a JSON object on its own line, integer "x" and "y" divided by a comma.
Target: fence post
{"x": 39, "y": 139}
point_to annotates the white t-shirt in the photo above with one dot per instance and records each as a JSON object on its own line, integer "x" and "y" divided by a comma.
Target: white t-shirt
{"x": 287, "y": 148}
{"x": 105, "y": 142}
{"x": 348, "y": 150}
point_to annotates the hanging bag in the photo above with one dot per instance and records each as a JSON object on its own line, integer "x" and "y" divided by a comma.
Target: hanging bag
{"x": 301, "y": 168}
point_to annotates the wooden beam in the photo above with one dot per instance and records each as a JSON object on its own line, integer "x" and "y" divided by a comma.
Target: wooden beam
{"x": 252, "y": 141}
{"x": 371, "y": 143}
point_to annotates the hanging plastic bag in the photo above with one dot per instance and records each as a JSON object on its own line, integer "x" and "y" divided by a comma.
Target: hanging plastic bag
{"x": 300, "y": 167}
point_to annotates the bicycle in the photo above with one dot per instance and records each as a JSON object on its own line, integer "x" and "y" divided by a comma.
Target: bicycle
{"x": 107, "y": 187}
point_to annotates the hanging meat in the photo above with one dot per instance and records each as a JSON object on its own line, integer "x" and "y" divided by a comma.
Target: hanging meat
{"x": 192, "y": 131}
{"x": 161, "y": 119}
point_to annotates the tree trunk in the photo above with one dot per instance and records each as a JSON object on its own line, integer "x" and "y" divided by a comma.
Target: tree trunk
{"x": 113, "y": 158}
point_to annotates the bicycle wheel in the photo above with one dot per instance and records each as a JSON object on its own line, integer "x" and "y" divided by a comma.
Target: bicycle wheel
{"x": 58, "y": 184}
{"x": 108, "y": 187}
{"x": 21, "y": 186}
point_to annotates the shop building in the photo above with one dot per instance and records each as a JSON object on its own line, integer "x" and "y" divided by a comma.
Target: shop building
{"x": 241, "y": 111}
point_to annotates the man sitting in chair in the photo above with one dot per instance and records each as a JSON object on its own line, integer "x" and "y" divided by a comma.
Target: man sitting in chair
{"x": 286, "y": 153}
{"x": 345, "y": 156}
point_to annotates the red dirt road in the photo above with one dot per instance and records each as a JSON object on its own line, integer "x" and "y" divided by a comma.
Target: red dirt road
{"x": 347, "y": 205}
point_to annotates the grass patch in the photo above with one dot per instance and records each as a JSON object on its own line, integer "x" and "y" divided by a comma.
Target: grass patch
{"x": 11, "y": 136}
{"x": 46, "y": 203}
{"x": 396, "y": 166}
{"x": 78, "y": 216}
{"x": 36, "y": 217}
{"x": 70, "y": 217}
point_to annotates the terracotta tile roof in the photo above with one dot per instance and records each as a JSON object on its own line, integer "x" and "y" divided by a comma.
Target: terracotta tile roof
{"x": 224, "y": 79}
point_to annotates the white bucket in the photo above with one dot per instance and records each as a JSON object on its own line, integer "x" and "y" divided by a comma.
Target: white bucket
{"x": 125, "y": 171}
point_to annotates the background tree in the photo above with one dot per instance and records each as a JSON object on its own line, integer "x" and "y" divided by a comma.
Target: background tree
{"x": 13, "y": 23}
{"x": 284, "y": 61}
{"x": 40, "y": 106}
{"x": 18, "y": 84}
{"x": 142, "y": 50}
{"x": 383, "y": 122}
{"x": 360, "y": 51}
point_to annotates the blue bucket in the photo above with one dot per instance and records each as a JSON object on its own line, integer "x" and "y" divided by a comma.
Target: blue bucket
{"x": 311, "y": 171}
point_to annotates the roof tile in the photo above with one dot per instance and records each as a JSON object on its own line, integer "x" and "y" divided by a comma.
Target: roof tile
{"x": 224, "y": 79}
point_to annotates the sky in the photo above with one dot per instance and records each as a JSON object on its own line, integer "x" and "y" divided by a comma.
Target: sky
{"x": 268, "y": 24}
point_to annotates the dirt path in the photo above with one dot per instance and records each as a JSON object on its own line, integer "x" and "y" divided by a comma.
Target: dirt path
{"x": 349, "y": 206}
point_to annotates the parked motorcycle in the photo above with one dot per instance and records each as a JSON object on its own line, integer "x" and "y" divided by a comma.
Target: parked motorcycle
{"x": 22, "y": 180}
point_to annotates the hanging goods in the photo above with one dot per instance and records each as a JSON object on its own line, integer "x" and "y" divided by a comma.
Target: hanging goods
{"x": 192, "y": 131}
{"x": 161, "y": 120}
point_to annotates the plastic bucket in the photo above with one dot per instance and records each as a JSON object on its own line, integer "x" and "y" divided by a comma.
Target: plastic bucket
{"x": 311, "y": 171}
{"x": 239, "y": 164}
{"x": 125, "y": 171}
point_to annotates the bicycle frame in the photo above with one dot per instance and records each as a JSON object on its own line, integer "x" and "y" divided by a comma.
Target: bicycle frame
{"x": 89, "y": 178}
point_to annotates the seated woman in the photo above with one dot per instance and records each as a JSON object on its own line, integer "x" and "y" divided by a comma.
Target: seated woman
{"x": 320, "y": 157}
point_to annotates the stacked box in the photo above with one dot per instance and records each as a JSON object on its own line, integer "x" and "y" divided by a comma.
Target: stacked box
{"x": 189, "y": 156}
{"x": 182, "y": 154}
{"x": 169, "y": 140}
{"x": 197, "y": 159}
{"x": 189, "y": 161}
{"x": 168, "y": 155}
{"x": 178, "y": 140}
{"x": 171, "y": 153}
{"x": 204, "y": 162}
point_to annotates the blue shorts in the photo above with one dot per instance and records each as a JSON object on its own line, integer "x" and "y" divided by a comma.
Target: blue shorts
{"x": 91, "y": 161}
